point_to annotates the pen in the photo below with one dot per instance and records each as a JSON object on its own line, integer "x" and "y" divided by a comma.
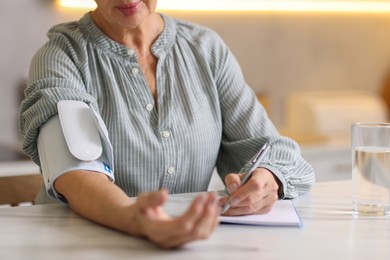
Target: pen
{"x": 253, "y": 164}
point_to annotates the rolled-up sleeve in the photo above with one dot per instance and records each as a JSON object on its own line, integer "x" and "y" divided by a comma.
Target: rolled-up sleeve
{"x": 53, "y": 76}
{"x": 247, "y": 127}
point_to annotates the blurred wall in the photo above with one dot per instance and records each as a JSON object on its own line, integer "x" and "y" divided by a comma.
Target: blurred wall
{"x": 23, "y": 28}
{"x": 278, "y": 52}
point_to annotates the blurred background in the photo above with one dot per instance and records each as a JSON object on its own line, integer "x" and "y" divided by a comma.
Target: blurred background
{"x": 317, "y": 66}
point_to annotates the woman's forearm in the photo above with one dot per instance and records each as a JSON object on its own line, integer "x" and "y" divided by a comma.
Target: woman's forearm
{"x": 93, "y": 196}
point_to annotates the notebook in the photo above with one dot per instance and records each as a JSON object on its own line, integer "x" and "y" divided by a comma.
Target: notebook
{"x": 283, "y": 213}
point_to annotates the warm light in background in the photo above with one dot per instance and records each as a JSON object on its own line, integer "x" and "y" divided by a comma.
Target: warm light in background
{"x": 85, "y": 4}
{"x": 255, "y": 5}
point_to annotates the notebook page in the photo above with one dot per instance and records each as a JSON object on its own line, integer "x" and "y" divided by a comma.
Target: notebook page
{"x": 283, "y": 213}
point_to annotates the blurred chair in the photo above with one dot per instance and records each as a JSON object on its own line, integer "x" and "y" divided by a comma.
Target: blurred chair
{"x": 19, "y": 189}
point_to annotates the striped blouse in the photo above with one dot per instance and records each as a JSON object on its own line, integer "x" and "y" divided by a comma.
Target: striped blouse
{"x": 207, "y": 115}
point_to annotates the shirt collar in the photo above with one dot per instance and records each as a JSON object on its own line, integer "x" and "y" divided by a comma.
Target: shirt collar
{"x": 160, "y": 47}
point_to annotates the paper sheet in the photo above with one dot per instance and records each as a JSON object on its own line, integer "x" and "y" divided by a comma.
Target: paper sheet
{"x": 283, "y": 213}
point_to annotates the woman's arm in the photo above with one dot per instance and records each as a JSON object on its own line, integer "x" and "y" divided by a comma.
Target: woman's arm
{"x": 246, "y": 127}
{"x": 283, "y": 173}
{"x": 93, "y": 196}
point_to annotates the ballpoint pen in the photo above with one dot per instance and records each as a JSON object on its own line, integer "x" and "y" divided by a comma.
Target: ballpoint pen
{"x": 250, "y": 167}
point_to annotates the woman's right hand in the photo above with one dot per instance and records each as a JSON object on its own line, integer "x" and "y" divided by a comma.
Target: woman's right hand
{"x": 93, "y": 196}
{"x": 151, "y": 221}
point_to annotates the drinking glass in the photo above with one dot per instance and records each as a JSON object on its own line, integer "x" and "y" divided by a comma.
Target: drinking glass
{"x": 371, "y": 169}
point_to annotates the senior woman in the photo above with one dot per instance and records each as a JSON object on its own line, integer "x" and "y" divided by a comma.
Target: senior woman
{"x": 175, "y": 106}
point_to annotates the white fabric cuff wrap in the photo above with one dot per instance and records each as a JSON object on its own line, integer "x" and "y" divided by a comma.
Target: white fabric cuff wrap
{"x": 56, "y": 158}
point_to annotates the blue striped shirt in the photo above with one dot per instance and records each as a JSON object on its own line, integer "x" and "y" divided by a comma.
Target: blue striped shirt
{"x": 207, "y": 115}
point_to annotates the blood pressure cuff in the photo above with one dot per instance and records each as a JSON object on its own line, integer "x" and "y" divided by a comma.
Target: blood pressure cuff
{"x": 75, "y": 139}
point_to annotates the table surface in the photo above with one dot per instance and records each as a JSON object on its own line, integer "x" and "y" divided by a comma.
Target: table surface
{"x": 329, "y": 231}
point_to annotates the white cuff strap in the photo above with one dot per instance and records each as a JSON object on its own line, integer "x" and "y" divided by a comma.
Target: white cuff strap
{"x": 77, "y": 139}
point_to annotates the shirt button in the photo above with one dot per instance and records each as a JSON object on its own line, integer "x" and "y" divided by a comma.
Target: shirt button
{"x": 149, "y": 107}
{"x": 166, "y": 134}
{"x": 134, "y": 71}
{"x": 130, "y": 52}
{"x": 171, "y": 170}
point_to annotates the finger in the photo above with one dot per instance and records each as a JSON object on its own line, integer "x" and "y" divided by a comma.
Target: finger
{"x": 260, "y": 185}
{"x": 198, "y": 222}
{"x": 209, "y": 219}
{"x": 203, "y": 227}
{"x": 175, "y": 232}
{"x": 200, "y": 215}
{"x": 260, "y": 207}
{"x": 257, "y": 195}
{"x": 222, "y": 201}
{"x": 193, "y": 213}
{"x": 151, "y": 199}
{"x": 232, "y": 182}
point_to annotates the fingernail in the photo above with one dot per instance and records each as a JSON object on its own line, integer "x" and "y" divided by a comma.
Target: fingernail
{"x": 232, "y": 188}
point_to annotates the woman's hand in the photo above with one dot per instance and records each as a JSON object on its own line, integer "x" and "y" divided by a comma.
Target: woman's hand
{"x": 255, "y": 197}
{"x": 152, "y": 222}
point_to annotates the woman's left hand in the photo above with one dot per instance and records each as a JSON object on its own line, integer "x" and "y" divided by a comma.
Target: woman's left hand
{"x": 257, "y": 196}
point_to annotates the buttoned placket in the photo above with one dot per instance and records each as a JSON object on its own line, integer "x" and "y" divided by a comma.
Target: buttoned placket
{"x": 167, "y": 133}
{"x": 159, "y": 119}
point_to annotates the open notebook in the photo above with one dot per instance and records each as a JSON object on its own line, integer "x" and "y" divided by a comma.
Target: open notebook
{"x": 283, "y": 213}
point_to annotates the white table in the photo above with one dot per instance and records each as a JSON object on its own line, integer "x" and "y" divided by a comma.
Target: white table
{"x": 329, "y": 232}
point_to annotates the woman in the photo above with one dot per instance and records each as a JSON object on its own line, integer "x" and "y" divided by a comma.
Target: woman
{"x": 176, "y": 106}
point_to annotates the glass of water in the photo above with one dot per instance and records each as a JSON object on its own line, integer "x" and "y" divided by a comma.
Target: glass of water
{"x": 371, "y": 169}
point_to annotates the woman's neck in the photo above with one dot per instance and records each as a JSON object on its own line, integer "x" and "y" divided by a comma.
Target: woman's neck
{"x": 139, "y": 38}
